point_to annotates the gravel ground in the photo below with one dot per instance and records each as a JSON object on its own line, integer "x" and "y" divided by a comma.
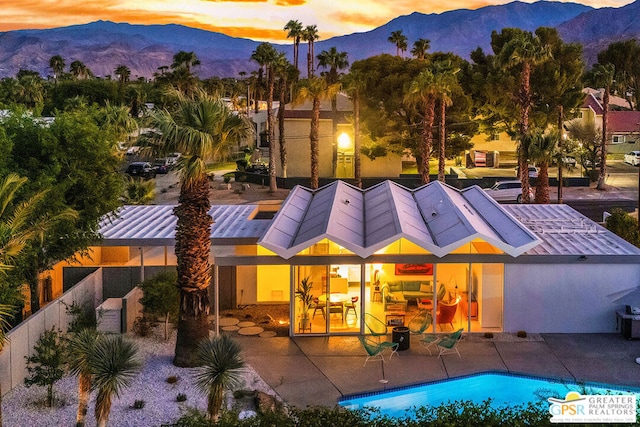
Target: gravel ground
{"x": 24, "y": 406}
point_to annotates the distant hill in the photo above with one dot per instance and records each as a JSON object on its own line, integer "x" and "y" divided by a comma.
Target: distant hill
{"x": 596, "y": 29}
{"x": 104, "y": 45}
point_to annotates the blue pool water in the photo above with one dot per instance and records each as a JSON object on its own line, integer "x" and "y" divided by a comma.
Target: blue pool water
{"x": 503, "y": 389}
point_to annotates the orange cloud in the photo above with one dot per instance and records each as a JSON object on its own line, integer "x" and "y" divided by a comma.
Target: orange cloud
{"x": 359, "y": 19}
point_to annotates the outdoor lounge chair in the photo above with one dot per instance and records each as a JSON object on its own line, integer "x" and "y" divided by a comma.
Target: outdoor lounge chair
{"x": 376, "y": 349}
{"x": 449, "y": 343}
{"x": 377, "y": 328}
{"x": 420, "y": 322}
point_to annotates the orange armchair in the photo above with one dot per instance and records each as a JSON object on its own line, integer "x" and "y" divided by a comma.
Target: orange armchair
{"x": 446, "y": 312}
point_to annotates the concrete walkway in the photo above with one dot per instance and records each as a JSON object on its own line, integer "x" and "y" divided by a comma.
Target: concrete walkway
{"x": 320, "y": 370}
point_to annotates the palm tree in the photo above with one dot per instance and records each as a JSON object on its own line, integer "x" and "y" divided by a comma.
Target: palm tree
{"x": 604, "y": 75}
{"x": 123, "y": 72}
{"x": 185, "y": 61}
{"x": 286, "y": 73}
{"x": 56, "y": 63}
{"x": 315, "y": 89}
{"x": 420, "y": 48}
{"x": 444, "y": 74}
{"x": 220, "y": 367}
{"x": 542, "y": 147}
{"x": 79, "y": 350}
{"x": 139, "y": 192}
{"x": 399, "y": 40}
{"x": 294, "y": 28}
{"x": 79, "y": 70}
{"x": 310, "y": 35}
{"x": 334, "y": 61}
{"x": 523, "y": 51}
{"x": 355, "y": 86}
{"x": 423, "y": 92}
{"x": 5, "y": 315}
{"x": 201, "y": 127}
{"x": 31, "y": 90}
{"x": 114, "y": 363}
{"x": 267, "y": 56}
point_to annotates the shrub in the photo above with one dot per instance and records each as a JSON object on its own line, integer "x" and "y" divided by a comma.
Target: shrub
{"x": 46, "y": 365}
{"x": 181, "y": 397}
{"x": 522, "y": 334}
{"x": 83, "y": 317}
{"x": 138, "y": 404}
{"x": 172, "y": 379}
{"x": 142, "y": 327}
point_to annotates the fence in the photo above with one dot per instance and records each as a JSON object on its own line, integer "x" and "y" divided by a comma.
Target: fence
{"x": 21, "y": 339}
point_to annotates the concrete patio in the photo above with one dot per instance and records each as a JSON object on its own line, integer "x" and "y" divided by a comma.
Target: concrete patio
{"x": 320, "y": 370}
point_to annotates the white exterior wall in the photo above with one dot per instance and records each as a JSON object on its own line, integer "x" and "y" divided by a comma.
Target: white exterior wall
{"x": 564, "y": 298}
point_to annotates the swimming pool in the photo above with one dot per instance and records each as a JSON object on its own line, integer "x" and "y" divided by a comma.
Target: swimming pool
{"x": 503, "y": 389}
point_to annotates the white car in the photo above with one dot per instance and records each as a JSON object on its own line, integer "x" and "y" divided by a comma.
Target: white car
{"x": 533, "y": 172}
{"x": 507, "y": 191}
{"x": 633, "y": 158}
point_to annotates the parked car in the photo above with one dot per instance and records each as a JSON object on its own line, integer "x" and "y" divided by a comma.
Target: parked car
{"x": 589, "y": 164}
{"x": 533, "y": 172}
{"x": 633, "y": 158}
{"x": 569, "y": 161}
{"x": 141, "y": 170}
{"x": 507, "y": 191}
{"x": 172, "y": 159}
{"x": 161, "y": 166}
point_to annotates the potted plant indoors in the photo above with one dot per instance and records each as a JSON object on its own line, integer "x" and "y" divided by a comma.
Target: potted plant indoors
{"x": 303, "y": 293}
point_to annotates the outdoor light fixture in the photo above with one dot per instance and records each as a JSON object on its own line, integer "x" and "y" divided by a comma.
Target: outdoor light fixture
{"x": 344, "y": 142}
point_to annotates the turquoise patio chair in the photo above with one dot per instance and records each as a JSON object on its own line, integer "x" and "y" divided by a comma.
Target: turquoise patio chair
{"x": 420, "y": 322}
{"x": 377, "y": 328}
{"x": 376, "y": 349}
{"x": 449, "y": 343}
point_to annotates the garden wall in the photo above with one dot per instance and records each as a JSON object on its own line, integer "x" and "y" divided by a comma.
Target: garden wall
{"x": 21, "y": 339}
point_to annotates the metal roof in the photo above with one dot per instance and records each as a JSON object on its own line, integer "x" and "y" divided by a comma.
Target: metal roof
{"x": 565, "y": 231}
{"x": 156, "y": 224}
{"x": 437, "y": 217}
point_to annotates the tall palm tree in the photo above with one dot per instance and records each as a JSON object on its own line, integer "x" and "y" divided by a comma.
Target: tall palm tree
{"x": 5, "y": 315}
{"x": 114, "y": 363}
{"x": 139, "y": 192}
{"x": 310, "y": 35}
{"x": 604, "y": 75}
{"x": 124, "y": 73}
{"x": 79, "y": 70}
{"x": 420, "y": 48}
{"x": 542, "y": 147}
{"x": 201, "y": 127}
{"x": 220, "y": 367}
{"x": 523, "y": 51}
{"x": 315, "y": 89}
{"x": 423, "y": 92}
{"x": 399, "y": 40}
{"x": 287, "y": 74}
{"x": 355, "y": 86}
{"x": 334, "y": 61}
{"x": 31, "y": 90}
{"x": 185, "y": 60}
{"x": 56, "y": 63}
{"x": 79, "y": 350}
{"x": 444, "y": 74}
{"x": 267, "y": 56}
{"x": 295, "y": 31}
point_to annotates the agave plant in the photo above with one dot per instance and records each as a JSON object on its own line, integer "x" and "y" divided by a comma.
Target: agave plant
{"x": 114, "y": 363}
{"x": 221, "y": 367}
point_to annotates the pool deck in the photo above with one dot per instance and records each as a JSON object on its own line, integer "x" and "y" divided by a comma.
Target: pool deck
{"x": 308, "y": 371}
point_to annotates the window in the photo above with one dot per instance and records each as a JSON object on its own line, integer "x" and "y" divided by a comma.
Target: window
{"x": 495, "y": 136}
{"x": 618, "y": 139}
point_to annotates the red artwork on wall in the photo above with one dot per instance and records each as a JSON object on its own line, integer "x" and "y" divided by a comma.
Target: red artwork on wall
{"x": 414, "y": 269}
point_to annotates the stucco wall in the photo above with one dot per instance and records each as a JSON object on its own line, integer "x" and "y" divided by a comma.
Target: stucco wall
{"x": 564, "y": 298}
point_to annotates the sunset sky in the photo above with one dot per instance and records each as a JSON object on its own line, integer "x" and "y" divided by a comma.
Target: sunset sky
{"x": 255, "y": 19}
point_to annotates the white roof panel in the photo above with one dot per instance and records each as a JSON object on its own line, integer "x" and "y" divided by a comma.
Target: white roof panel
{"x": 437, "y": 217}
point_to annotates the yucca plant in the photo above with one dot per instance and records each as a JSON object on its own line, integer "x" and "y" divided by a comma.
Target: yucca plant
{"x": 79, "y": 351}
{"x": 220, "y": 367}
{"x": 114, "y": 363}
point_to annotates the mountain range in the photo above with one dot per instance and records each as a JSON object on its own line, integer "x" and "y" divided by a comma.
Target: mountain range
{"x": 104, "y": 45}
